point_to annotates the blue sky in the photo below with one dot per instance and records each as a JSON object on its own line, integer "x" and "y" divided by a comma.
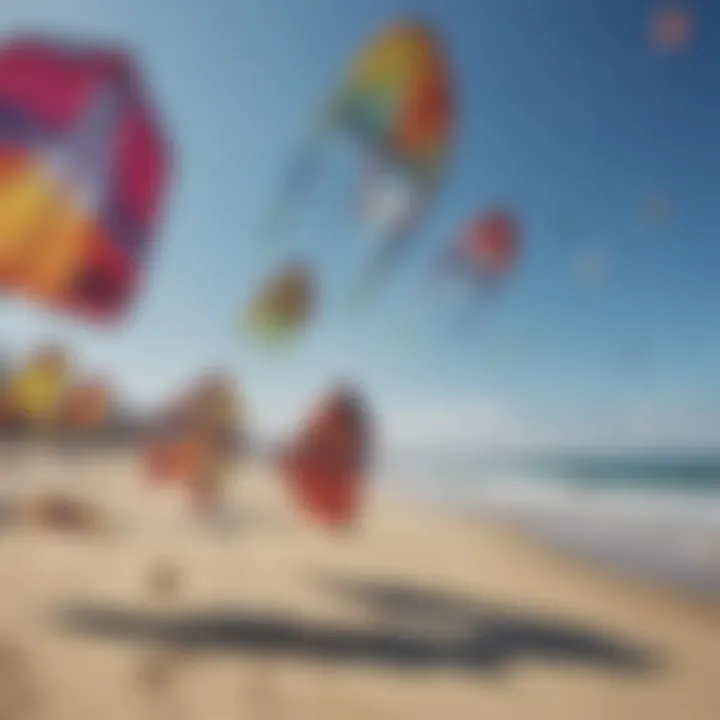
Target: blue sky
{"x": 568, "y": 115}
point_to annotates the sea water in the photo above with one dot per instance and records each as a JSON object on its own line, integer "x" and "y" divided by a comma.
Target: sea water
{"x": 656, "y": 515}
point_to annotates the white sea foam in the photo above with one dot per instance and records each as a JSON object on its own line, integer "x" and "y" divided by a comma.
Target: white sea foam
{"x": 663, "y": 532}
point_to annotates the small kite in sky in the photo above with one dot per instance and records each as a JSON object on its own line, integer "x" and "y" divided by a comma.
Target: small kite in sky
{"x": 671, "y": 28}
{"x": 282, "y": 308}
{"x": 480, "y": 259}
{"x": 488, "y": 249}
{"x": 658, "y": 209}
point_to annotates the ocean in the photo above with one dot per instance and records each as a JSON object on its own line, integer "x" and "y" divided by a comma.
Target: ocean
{"x": 654, "y": 515}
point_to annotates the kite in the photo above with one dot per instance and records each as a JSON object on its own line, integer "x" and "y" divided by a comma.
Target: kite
{"x": 671, "y": 28}
{"x": 488, "y": 249}
{"x": 395, "y": 105}
{"x": 325, "y": 465}
{"x": 282, "y": 308}
{"x": 212, "y": 405}
{"x": 196, "y": 437}
{"x": 659, "y": 210}
{"x": 480, "y": 259}
{"x": 83, "y": 169}
{"x": 35, "y": 393}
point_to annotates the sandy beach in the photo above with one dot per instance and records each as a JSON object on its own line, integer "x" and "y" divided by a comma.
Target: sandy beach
{"x": 417, "y": 614}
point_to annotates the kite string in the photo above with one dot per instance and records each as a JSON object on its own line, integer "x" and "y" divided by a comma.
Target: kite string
{"x": 297, "y": 184}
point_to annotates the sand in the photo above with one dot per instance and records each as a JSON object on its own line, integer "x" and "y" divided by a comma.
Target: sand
{"x": 262, "y": 615}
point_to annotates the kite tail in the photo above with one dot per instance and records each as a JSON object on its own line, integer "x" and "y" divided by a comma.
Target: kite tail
{"x": 296, "y": 185}
{"x": 393, "y": 244}
{"x": 376, "y": 273}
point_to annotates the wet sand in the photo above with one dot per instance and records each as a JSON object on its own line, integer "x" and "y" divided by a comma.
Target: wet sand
{"x": 415, "y": 615}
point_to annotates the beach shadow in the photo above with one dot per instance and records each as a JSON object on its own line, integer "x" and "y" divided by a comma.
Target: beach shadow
{"x": 492, "y": 635}
{"x": 482, "y": 639}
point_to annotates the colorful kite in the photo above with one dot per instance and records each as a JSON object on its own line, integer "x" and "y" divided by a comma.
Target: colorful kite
{"x": 282, "y": 308}
{"x": 488, "y": 249}
{"x": 212, "y": 405}
{"x": 197, "y": 437}
{"x": 396, "y": 105}
{"x": 480, "y": 259}
{"x": 36, "y": 392}
{"x": 325, "y": 466}
{"x": 83, "y": 168}
{"x": 671, "y": 28}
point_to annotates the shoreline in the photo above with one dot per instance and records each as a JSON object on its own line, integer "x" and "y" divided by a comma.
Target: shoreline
{"x": 641, "y": 536}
